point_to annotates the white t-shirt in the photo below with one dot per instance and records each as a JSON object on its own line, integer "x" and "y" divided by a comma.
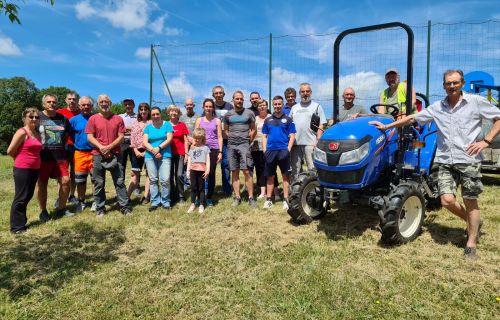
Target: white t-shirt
{"x": 301, "y": 115}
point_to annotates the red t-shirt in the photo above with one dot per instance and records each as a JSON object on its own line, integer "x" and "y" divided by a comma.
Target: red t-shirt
{"x": 68, "y": 114}
{"x": 105, "y": 130}
{"x": 180, "y": 131}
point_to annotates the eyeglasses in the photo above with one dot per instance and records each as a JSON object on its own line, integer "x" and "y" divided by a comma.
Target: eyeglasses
{"x": 50, "y": 101}
{"x": 34, "y": 117}
{"x": 452, "y": 83}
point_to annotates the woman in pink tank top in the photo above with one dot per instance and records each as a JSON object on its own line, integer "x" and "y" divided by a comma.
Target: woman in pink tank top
{"x": 25, "y": 149}
{"x": 213, "y": 135}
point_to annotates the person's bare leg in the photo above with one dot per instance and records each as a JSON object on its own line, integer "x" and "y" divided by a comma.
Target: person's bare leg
{"x": 235, "y": 175}
{"x": 449, "y": 201}
{"x": 473, "y": 218}
{"x": 81, "y": 189}
{"x": 146, "y": 188}
{"x": 248, "y": 183}
{"x": 286, "y": 186}
{"x": 134, "y": 181}
{"x": 270, "y": 186}
{"x": 63, "y": 191}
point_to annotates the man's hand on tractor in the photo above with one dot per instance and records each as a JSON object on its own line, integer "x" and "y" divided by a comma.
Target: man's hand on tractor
{"x": 378, "y": 124}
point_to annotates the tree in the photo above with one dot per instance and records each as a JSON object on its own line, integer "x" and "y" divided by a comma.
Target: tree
{"x": 59, "y": 92}
{"x": 11, "y": 10}
{"x": 117, "y": 108}
{"x": 16, "y": 94}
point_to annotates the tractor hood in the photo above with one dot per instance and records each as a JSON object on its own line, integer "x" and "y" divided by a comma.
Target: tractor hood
{"x": 356, "y": 129}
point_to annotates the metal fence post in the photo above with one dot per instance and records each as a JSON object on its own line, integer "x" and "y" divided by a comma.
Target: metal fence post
{"x": 270, "y": 68}
{"x": 151, "y": 77}
{"x": 428, "y": 58}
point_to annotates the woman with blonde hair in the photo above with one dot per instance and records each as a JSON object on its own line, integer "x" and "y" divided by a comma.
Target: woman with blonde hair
{"x": 25, "y": 149}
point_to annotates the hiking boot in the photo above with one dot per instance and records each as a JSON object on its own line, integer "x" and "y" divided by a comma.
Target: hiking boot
{"x": 73, "y": 200}
{"x": 64, "y": 213}
{"x": 44, "y": 216}
{"x": 470, "y": 253}
{"x": 252, "y": 203}
{"x": 236, "y": 202}
{"x": 210, "y": 203}
{"x": 80, "y": 206}
{"x": 268, "y": 204}
{"x": 126, "y": 211}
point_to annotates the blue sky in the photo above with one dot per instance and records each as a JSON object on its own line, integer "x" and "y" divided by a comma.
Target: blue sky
{"x": 103, "y": 46}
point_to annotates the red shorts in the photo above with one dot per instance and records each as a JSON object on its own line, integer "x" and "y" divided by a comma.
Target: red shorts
{"x": 53, "y": 169}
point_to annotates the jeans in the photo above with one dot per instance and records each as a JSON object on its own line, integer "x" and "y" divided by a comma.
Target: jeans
{"x": 298, "y": 155}
{"x": 159, "y": 170}
{"x": 99, "y": 177}
{"x": 226, "y": 173}
{"x": 210, "y": 182}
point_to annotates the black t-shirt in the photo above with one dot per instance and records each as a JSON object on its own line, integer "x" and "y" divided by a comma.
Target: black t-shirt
{"x": 54, "y": 131}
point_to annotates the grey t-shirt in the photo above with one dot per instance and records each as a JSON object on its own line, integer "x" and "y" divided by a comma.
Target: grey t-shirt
{"x": 199, "y": 154}
{"x": 189, "y": 121}
{"x": 239, "y": 125}
{"x": 344, "y": 114}
{"x": 301, "y": 115}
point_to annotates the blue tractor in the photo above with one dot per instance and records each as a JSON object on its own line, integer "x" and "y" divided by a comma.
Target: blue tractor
{"x": 355, "y": 162}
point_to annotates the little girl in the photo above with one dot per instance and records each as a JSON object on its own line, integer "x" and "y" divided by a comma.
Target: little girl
{"x": 198, "y": 169}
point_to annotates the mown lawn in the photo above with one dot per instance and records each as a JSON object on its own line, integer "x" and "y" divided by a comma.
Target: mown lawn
{"x": 243, "y": 264}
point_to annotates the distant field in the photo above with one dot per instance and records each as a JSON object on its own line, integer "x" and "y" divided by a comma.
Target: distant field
{"x": 243, "y": 264}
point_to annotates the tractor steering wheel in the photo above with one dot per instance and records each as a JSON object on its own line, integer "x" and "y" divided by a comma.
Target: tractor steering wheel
{"x": 393, "y": 110}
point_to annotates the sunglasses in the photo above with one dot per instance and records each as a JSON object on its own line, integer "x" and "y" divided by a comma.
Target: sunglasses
{"x": 34, "y": 117}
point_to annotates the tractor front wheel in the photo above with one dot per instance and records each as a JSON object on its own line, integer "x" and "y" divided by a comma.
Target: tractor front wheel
{"x": 404, "y": 215}
{"x": 306, "y": 198}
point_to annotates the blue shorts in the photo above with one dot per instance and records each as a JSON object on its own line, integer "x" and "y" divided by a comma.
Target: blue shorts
{"x": 275, "y": 158}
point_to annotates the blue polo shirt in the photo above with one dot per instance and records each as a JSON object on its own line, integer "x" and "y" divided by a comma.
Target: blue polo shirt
{"x": 77, "y": 132}
{"x": 278, "y": 129}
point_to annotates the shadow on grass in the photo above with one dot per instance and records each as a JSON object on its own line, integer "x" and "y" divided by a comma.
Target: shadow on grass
{"x": 45, "y": 264}
{"x": 348, "y": 222}
{"x": 442, "y": 234}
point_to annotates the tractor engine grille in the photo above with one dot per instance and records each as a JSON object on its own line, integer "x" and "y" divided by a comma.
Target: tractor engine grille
{"x": 341, "y": 177}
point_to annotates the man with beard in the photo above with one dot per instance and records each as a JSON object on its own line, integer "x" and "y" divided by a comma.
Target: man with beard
{"x": 305, "y": 137}
{"x": 254, "y": 103}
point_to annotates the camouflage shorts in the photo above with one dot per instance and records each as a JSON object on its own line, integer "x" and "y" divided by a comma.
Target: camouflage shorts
{"x": 467, "y": 175}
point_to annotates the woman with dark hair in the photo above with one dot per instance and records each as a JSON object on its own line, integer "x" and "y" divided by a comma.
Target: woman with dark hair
{"x": 213, "y": 137}
{"x": 136, "y": 143}
{"x": 157, "y": 138}
{"x": 25, "y": 149}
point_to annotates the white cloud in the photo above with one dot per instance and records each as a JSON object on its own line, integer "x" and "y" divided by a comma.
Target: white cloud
{"x": 281, "y": 75}
{"x": 8, "y": 47}
{"x": 128, "y": 15}
{"x": 143, "y": 52}
{"x": 180, "y": 87}
{"x": 157, "y": 25}
{"x": 84, "y": 10}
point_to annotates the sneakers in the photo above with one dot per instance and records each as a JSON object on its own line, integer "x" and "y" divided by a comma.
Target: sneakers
{"x": 285, "y": 204}
{"x": 252, "y": 203}
{"x": 100, "y": 213}
{"x": 268, "y": 204}
{"x": 201, "y": 209}
{"x": 210, "y": 203}
{"x": 126, "y": 211}
{"x": 64, "y": 213}
{"x": 80, "y": 206}
{"x": 152, "y": 208}
{"x": 470, "y": 253}
{"x": 261, "y": 196}
{"x": 94, "y": 207}
{"x": 44, "y": 216}
{"x": 236, "y": 202}
{"x": 191, "y": 208}
{"x": 73, "y": 200}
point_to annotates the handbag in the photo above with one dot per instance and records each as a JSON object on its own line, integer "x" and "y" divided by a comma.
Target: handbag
{"x": 315, "y": 121}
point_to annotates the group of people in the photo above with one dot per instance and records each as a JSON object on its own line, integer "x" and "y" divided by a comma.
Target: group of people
{"x": 69, "y": 144}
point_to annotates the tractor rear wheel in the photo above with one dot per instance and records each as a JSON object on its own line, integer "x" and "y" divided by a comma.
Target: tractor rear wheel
{"x": 306, "y": 198}
{"x": 404, "y": 215}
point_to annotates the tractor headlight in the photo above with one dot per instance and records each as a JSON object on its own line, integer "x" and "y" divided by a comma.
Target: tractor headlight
{"x": 319, "y": 155}
{"x": 356, "y": 155}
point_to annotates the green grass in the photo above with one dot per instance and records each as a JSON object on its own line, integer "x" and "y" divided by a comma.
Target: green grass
{"x": 243, "y": 264}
